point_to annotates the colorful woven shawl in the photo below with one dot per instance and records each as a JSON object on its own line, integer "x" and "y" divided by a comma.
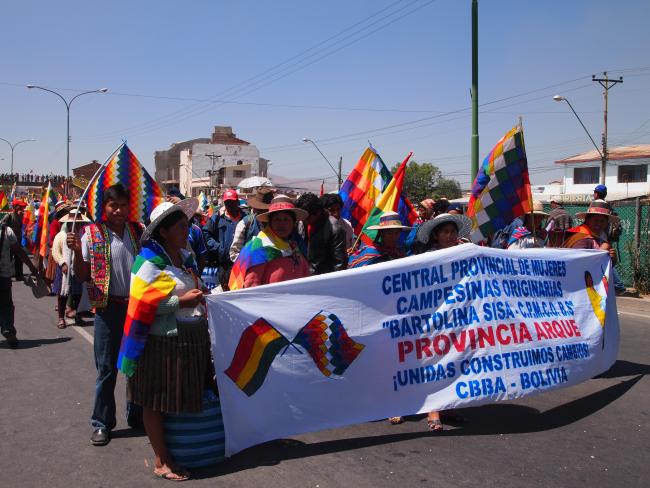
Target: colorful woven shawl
{"x": 577, "y": 234}
{"x": 518, "y": 233}
{"x": 150, "y": 283}
{"x": 261, "y": 249}
{"x": 373, "y": 254}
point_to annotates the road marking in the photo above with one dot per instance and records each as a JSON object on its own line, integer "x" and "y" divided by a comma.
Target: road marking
{"x": 641, "y": 316}
{"x": 83, "y": 333}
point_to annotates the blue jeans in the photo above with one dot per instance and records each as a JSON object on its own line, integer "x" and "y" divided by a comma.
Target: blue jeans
{"x": 619, "y": 286}
{"x": 109, "y": 325}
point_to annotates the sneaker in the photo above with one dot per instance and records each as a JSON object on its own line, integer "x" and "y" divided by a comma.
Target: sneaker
{"x": 100, "y": 437}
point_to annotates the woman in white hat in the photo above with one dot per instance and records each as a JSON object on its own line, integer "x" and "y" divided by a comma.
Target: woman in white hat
{"x": 166, "y": 325}
{"x": 64, "y": 284}
{"x": 532, "y": 234}
{"x": 386, "y": 245}
{"x": 441, "y": 232}
{"x": 275, "y": 253}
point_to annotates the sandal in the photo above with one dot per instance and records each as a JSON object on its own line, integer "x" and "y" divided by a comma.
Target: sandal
{"x": 435, "y": 425}
{"x": 61, "y": 324}
{"x": 170, "y": 475}
{"x": 396, "y": 420}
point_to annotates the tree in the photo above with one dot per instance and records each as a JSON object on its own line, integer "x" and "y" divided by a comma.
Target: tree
{"x": 425, "y": 180}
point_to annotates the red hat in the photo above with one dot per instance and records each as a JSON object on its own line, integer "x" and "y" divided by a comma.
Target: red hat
{"x": 230, "y": 194}
{"x": 18, "y": 203}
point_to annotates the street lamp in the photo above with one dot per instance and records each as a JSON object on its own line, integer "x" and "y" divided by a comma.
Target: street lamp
{"x": 337, "y": 173}
{"x": 12, "y": 146}
{"x": 67, "y": 107}
{"x": 603, "y": 158}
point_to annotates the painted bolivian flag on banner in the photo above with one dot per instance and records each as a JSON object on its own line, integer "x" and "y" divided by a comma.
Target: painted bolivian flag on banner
{"x": 257, "y": 348}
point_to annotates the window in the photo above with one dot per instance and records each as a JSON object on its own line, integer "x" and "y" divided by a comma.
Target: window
{"x": 633, "y": 173}
{"x": 238, "y": 173}
{"x": 586, "y": 176}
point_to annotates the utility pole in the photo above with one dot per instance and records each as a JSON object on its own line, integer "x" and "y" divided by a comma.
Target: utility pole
{"x": 474, "y": 144}
{"x": 213, "y": 158}
{"x": 340, "y": 172}
{"x": 606, "y": 83}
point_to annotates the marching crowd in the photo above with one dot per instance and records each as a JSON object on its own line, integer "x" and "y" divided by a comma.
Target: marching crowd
{"x": 25, "y": 178}
{"x": 146, "y": 283}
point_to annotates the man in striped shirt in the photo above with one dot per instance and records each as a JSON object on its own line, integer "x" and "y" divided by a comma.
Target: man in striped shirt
{"x": 103, "y": 259}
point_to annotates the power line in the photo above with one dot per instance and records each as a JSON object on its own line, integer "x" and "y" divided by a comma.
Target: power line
{"x": 249, "y": 85}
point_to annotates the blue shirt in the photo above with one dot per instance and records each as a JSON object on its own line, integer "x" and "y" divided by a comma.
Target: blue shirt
{"x": 195, "y": 238}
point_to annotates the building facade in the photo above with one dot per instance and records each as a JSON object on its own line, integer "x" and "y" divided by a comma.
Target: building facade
{"x": 626, "y": 175}
{"x": 209, "y": 165}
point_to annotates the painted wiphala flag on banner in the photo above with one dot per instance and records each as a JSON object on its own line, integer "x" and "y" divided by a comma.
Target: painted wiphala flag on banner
{"x": 328, "y": 343}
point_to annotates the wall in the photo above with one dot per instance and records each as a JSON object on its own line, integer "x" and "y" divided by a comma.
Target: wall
{"x": 615, "y": 188}
{"x": 230, "y": 155}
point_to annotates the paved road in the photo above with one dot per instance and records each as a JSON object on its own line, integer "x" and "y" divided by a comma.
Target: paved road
{"x": 594, "y": 433}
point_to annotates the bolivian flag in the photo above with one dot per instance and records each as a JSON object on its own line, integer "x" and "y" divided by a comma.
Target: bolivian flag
{"x": 257, "y": 348}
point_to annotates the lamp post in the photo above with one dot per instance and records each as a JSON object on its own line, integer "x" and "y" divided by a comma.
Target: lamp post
{"x": 337, "y": 173}
{"x": 67, "y": 108}
{"x": 603, "y": 158}
{"x": 13, "y": 146}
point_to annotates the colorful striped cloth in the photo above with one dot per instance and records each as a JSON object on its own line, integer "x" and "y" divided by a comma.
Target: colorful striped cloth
{"x": 197, "y": 439}
{"x": 204, "y": 203}
{"x": 389, "y": 200}
{"x": 501, "y": 190}
{"x": 518, "y": 233}
{"x": 29, "y": 219}
{"x": 372, "y": 254}
{"x": 258, "y": 346}
{"x": 45, "y": 216}
{"x": 124, "y": 168}
{"x": 261, "y": 249}
{"x": 150, "y": 283}
{"x": 362, "y": 188}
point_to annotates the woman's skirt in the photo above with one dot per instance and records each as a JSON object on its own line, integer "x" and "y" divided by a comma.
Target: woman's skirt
{"x": 174, "y": 371}
{"x": 58, "y": 279}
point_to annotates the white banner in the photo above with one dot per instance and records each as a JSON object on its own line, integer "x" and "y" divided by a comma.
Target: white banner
{"x": 462, "y": 326}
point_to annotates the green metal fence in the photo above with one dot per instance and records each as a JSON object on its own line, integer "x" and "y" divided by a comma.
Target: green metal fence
{"x": 626, "y": 246}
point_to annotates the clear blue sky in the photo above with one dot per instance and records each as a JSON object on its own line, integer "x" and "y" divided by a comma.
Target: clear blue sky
{"x": 349, "y": 67}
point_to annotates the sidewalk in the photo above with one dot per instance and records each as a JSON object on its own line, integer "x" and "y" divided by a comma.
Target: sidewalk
{"x": 640, "y": 306}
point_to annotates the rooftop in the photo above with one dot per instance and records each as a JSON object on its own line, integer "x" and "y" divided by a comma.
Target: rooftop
{"x": 613, "y": 154}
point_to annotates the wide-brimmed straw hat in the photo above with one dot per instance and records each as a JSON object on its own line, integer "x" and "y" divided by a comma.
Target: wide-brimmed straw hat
{"x": 538, "y": 209}
{"x": 260, "y": 200}
{"x": 70, "y": 217}
{"x": 389, "y": 220}
{"x": 428, "y": 203}
{"x": 597, "y": 207}
{"x": 282, "y": 203}
{"x": 187, "y": 206}
{"x": 463, "y": 224}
